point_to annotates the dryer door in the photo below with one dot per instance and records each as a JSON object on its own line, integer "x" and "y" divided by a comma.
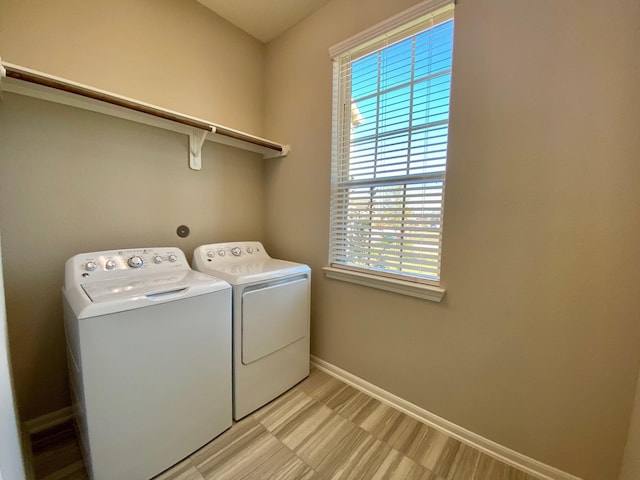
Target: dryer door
{"x": 273, "y": 317}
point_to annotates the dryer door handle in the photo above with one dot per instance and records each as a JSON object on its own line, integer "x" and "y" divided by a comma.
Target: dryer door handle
{"x": 178, "y": 292}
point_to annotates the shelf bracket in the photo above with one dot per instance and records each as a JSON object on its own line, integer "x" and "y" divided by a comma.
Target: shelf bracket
{"x": 196, "y": 140}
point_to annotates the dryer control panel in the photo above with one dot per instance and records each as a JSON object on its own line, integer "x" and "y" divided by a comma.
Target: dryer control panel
{"x": 231, "y": 252}
{"x": 132, "y": 262}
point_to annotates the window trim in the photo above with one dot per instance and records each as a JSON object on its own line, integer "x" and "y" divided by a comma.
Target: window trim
{"x": 404, "y": 287}
{"x": 387, "y": 29}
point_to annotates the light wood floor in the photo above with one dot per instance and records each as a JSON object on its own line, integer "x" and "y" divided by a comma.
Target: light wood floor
{"x": 322, "y": 429}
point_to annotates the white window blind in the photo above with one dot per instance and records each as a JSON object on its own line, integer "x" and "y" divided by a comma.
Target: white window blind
{"x": 390, "y": 131}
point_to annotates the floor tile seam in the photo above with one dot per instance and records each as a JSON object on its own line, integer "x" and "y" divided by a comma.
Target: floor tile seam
{"x": 204, "y": 477}
{"x": 321, "y": 477}
{"x": 449, "y": 437}
{"x": 267, "y": 407}
{"x": 260, "y": 421}
{"x": 376, "y": 437}
{"x": 266, "y": 434}
{"x": 415, "y": 462}
{"x": 255, "y": 415}
{"x": 476, "y": 465}
{"x": 385, "y": 441}
{"x": 397, "y": 452}
{"x": 227, "y": 446}
{"x": 195, "y": 467}
{"x": 205, "y": 462}
{"x": 478, "y": 458}
{"x": 364, "y": 430}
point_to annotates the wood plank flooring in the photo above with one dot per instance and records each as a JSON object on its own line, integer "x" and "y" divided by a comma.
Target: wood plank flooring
{"x": 322, "y": 429}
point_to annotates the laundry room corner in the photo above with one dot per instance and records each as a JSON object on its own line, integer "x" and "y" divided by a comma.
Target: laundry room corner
{"x": 75, "y": 181}
{"x": 448, "y": 192}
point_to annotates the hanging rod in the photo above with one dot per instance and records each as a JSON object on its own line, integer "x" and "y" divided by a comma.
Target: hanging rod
{"x": 103, "y": 97}
{"x": 227, "y": 132}
{"x": 234, "y": 136}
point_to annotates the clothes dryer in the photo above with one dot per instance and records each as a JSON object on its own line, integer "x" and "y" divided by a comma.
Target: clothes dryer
{"x": 270, "y": 320}
{"x": 149, "y": 354}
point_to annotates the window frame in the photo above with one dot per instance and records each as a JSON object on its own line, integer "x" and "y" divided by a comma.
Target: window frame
{"x": 392, "y": 31}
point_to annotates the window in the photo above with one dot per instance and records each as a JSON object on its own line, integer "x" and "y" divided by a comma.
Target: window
{"x": 391, "y": 124}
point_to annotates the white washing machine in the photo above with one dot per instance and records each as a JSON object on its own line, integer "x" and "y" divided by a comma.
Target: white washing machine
{"x": 270, "y": 320}
{"x": 149, "y": 353}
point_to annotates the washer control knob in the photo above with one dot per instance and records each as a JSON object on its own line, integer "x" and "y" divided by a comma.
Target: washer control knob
{"x": 109, "y": 264}
{"x": 249, "y": 250}
{"x": 235, "y": 251}
{"x": 90, "y": 266}
{"x": 173, "y": 258}
{"x": 135, "y": 262}
{"x": 157, "y": 259}
{"x": 210, "y": 254}
{"x": 221, "y": 253}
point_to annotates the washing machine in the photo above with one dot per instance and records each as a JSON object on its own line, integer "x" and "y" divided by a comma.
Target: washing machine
{"x": 270, "y": 320}
{"x": 149, "y": 354}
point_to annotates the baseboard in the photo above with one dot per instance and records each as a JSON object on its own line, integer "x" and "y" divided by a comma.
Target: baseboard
{"x": 491, "y": 448}
{"x": 45, "y": 422}
{"x": 27, "y": 454}
{"x": 37, "y": 425}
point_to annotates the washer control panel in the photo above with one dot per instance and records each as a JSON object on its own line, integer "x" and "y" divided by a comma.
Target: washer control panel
{"x": 231, "y": 252}
{"x": 96, "y": 266}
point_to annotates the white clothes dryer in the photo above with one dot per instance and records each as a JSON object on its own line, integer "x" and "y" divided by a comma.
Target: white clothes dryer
{"x": 149, "y": 354}
{"x": 271, "y": 301}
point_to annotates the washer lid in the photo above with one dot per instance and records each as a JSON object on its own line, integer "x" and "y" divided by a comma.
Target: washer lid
{"x": 103, "y": 297}
{"x": 241, "y": 273}
{"x": 150, "y": 286}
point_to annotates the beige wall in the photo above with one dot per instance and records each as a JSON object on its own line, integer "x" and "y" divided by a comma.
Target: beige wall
{"x": 536, "y": 344}
{"x": 72, "y": 181}
{"x": 173, "y": 53}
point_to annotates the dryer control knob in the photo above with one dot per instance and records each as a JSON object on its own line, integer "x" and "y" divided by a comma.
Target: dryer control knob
{"x": 172, "y": 258}
{"x": 90, "y": 266}
{"x": 157, "y": 259}
{"x": 221, "y": 253}
{"x": 249, "y": 250}
{"x": 235, "y": 251}
{"x": 210, "y": 254}
{"x": 135, "y": 262}
{"x": 109, "y": 264}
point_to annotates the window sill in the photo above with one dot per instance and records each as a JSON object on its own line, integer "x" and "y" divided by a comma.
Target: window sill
{"x": 426, "y": 292}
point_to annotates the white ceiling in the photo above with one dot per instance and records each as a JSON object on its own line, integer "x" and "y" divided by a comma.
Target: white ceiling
{"x": 263, "y": 19}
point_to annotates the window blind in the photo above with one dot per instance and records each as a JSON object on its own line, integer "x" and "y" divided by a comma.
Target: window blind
{"x": 390, "y": 132}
